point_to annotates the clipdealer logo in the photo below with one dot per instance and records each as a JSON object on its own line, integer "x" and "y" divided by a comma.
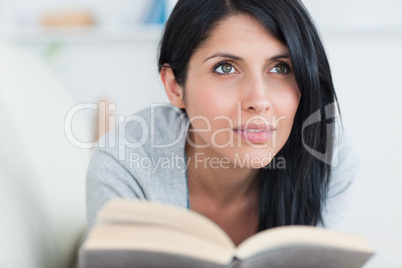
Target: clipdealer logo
{"x": 330, "y": 156}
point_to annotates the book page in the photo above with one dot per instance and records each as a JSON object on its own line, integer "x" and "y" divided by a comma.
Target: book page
{"x": 295, "y": 236}
{"x": 307, "y": 257}
{"x": 154, "y": 238}
{"x": 128, "y": 258}
{"x": 143, "y": 212}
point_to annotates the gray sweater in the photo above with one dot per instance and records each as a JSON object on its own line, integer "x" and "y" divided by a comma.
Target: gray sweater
{"x": 144, "y": 158}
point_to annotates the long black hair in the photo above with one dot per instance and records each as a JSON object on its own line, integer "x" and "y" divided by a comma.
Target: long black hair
{"x": 295, "y": 194}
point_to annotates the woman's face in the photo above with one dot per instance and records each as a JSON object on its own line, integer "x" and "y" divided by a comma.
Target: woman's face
{"x": 240, "y": 95}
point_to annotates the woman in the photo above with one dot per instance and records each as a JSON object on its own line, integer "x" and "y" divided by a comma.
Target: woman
{"x": 246, "y": 142}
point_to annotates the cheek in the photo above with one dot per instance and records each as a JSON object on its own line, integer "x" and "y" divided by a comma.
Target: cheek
{"x": 291, "y": 102}
{"x": 209, "y": 99}
{"x": 286, "y": 105}
{"x": 287, "y": 97}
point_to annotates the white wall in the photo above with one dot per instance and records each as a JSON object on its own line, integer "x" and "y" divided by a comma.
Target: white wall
{"x": 357, "y": 15}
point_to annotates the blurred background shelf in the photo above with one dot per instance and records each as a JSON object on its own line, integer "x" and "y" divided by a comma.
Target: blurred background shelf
{"x": 87, "y": 34}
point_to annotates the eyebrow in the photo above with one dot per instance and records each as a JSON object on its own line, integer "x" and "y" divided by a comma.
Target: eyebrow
{"x": 233, "y": 57}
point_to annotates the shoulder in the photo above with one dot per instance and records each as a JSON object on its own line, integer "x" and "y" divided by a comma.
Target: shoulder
{"x": 145, "y": 152}
{"x": 345, "y": 166}
{"x": 346, "y": 162}
{"x": 159, "y": 126}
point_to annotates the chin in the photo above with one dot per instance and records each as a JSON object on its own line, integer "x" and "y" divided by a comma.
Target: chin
{"x": 252, "y": 160}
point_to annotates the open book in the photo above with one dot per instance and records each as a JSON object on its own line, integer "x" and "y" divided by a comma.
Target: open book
{"x": 144, "y": 234}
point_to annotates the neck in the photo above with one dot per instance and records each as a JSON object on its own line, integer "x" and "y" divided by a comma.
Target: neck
{"x": 224, "y": 185}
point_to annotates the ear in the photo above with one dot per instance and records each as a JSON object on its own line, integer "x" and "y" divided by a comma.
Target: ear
{"x": 173, "y": 90}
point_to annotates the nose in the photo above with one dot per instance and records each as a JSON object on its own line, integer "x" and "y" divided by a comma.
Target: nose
{"x": 255, "y": 96}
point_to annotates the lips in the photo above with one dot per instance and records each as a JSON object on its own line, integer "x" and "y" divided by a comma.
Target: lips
{"x": 255, "y": 127}
{"x": 255, "y": 132}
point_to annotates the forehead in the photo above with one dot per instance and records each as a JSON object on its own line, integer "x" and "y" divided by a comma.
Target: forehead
{"x": 243, "y": 34}
{"x": 240, "y": 22}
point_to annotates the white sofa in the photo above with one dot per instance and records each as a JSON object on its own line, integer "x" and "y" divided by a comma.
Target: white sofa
{"x": 42, "y": 176}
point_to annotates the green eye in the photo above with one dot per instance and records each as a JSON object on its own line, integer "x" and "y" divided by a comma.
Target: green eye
{"x": 225, "y": 68}
{"x": 280, "y": 69}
